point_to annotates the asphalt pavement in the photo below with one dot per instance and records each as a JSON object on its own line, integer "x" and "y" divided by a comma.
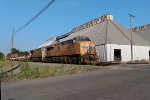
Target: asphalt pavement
{"x": 115, "y": 83}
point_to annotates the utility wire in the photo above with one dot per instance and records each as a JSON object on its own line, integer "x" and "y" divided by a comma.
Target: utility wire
{"x": 36, "y": 16}
{"x": 9, "y": 45}
{"x": 32, "y": 19}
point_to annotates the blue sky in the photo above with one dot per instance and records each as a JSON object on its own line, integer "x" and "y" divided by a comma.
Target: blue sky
{"x": 61, "y": 17}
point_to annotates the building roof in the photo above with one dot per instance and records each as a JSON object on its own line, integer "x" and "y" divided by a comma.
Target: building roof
{"x": 48, "y": 42}
{"x": 116, "y": 34}
{"x": 144, "y": 33}
{"x": 120, "y": 35}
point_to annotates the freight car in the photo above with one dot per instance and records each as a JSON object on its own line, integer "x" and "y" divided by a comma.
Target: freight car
{"x": 36, "y": 55}
{"x": 77, "y": 50}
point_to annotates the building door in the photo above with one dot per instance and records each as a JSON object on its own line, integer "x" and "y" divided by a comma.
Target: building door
{"x": 117, "y": 55}
{"x": 149, "y": 55}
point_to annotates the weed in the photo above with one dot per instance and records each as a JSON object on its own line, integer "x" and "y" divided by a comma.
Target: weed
{"x": 7, "y": 63}
{"x": 27, "y": 71}
{"x": 31, "y": 72}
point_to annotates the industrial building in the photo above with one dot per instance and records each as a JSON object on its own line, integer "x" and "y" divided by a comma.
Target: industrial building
{"x": 113, "y": 41}
{"x": 143, "y": 31}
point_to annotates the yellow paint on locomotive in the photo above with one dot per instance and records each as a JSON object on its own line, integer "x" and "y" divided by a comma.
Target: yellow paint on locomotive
{"x": 87, "y": 48}
{"x": 36, "y": 53}
{"x": 70, "y": 49}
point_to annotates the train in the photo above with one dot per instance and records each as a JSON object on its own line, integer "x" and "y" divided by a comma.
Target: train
{"x": 79, "y": 50}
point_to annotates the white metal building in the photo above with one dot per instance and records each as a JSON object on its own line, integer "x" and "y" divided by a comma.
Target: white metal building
{"x": 112, "y": 40}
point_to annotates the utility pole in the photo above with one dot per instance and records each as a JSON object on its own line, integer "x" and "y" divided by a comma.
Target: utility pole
{"x": 12, "y": 42}
{"x": 131, "y": 17}
{"x": 106, "y": 40}
{"x": 13, "y": 38}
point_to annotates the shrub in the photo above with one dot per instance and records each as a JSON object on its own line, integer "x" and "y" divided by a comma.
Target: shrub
{"x": 27, "y": 71}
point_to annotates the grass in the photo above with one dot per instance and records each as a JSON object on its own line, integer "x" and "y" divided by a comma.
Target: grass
{"x": 31, "y": 72}
{"x": 6, "y": 63}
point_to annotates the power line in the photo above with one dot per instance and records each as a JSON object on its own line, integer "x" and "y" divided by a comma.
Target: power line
{"x": 10, "y": 43}
{"x": 36, "y": 16}
{"x": 30, "y": 21}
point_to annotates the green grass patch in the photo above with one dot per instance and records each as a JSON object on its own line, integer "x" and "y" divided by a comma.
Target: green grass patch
{"x": 31, "y": 72}
{"x": 7, "y": 63}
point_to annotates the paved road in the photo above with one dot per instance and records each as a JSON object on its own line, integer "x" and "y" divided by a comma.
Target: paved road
{"x": 131, "y": 83}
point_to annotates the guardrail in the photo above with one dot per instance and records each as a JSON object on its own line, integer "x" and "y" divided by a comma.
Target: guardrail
{"x": 3, "y": 73}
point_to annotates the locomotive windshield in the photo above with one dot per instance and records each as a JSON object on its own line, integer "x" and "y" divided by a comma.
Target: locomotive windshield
{"x": 81, "y": 38}
{"x": 77, "y": 39}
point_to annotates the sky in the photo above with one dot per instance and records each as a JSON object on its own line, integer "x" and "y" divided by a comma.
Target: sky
{"x": 61, "y": 17}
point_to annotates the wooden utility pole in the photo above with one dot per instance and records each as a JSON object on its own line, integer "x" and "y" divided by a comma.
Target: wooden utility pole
{"x": 131, "y": 17}
{"x": 13, "y": 38}
{"x": 106, "y": 40}
{"x": 12, "y": 46}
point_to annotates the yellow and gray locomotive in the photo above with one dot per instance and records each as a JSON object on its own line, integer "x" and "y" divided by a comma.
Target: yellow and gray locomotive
{"x": 80, "y": 49}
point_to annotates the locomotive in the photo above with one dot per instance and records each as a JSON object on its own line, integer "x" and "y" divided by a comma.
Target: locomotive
{"x": 78, "y": 50}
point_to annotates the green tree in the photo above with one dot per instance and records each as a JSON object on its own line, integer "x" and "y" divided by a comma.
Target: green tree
{"x": 26, "y": 53}
{"x": 8, "y": 55}
{"x": 14, "y": 50}
{"x": 1, "y": 56}
{"x": 20, "y": 53}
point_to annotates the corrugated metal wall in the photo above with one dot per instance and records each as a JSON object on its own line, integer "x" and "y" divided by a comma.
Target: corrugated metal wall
{"x": 101, "y": 52}
{"x": 139, "y": 52}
